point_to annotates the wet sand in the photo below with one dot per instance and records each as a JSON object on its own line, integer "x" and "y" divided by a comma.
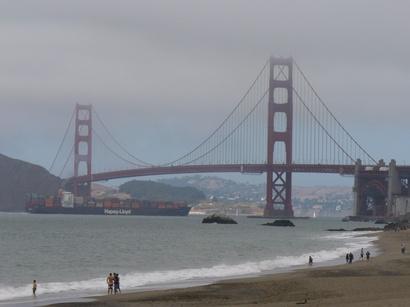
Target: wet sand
{"x": 383, "y": 281}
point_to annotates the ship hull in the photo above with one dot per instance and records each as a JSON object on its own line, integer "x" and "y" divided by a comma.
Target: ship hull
{"x": 184, "y": 211}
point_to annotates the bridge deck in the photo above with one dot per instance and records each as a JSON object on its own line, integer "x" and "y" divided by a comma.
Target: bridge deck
{"x": 237, "y": 168}
{"x": 223, "y": 168}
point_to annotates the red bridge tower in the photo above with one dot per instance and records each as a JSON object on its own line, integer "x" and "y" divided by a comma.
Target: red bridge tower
{"x": 280, "y": 106}
{"x": 82, "y": 148}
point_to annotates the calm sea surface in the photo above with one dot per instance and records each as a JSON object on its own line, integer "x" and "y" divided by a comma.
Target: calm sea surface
{"x": 71, "y": 255}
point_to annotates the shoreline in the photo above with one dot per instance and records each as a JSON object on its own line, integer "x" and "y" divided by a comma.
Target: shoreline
{"x": 77, "y": 297}
{"x": 384, "y": 280}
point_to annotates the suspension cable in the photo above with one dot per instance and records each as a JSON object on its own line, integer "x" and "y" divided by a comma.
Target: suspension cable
{"x": 321, "y": 126}
{"x": 331, "y": 114}
{"x": 117, "y": 142}
{"x": 225, "y": 120}
{"x": 114, "y": 152}
{"x": 232, "y": 132}
{"x": 62, "y": 141}
{"x": 66, "y": 161}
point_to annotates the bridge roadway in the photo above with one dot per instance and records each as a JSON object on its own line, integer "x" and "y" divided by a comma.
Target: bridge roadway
{"x": 221, "y": 168}
{"x": 237, "y": 168}
{"x": 347, "y": 169}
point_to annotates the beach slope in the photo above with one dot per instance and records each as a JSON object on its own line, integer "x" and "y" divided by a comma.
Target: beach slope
{"x": 383, "y": 281}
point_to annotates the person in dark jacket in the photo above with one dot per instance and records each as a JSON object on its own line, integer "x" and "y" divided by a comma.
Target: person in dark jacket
{"x": 116, "y": 283}
{"x": 34, "y": 287}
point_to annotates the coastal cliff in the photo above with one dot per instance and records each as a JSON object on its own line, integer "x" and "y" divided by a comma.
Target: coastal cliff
{"x": 18, "y": 178}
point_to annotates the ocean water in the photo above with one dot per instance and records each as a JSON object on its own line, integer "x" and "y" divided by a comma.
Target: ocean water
{"x": 71, "y": 255}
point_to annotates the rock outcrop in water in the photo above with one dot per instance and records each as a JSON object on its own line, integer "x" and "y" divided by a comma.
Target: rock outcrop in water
{"x": 218, "y": 219}
{"x": 403, "y": 225}
{"x": 367, "y": 229}
{"x": 282, "y": 223}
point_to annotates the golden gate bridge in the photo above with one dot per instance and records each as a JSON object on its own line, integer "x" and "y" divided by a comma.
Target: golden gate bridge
{"x": 279, "y": 127}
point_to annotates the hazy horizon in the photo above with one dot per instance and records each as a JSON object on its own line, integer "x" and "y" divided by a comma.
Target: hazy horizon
{"x": 164, "y": 74}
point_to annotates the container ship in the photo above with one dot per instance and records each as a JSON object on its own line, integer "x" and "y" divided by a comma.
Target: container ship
{"x": 67, "y": 203}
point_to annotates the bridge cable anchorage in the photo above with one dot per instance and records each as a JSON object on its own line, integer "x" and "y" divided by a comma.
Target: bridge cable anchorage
{"x": 321, "y": 126}
{"x": 231, "y": 133}
{"x": 62, "y": 142}
{"x": 114, "y": 152}
{"x": 224, "y": 121}
{"x": 331, "y": 114}
{"x": 143, "y": 163}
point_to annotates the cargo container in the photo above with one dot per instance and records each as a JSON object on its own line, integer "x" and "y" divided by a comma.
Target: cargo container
{"x": 78, "y": 200}
{"x": 67, "y": 200}
{"x": 64, "y": 204}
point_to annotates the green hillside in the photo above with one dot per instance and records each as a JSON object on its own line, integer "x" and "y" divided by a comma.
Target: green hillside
{"x": 151, "y": 190}
{"x": 18, "y": 178}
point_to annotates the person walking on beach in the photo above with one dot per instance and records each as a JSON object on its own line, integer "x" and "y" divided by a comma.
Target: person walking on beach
{"x": 110, "y": 283}
{"x": 310, "y": 260}
{"x": 34, "y": 287}
{"x": 362, "y": 254}
{"x": 367, "y": 255}
{"x": 116, "y": 283}
{"x": 351, "y": 257}
{"x": 403, "y": 248}
{"x": 347, "y": 258}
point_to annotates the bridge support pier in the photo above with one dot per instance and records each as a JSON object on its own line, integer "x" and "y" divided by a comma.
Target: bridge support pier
{"x": 280, "y": 105}
{"x": 370, "y": 192}
{"x": 356, "y": 194}
{"x": 394, "y": 186}
{"x": 279, "y": 192}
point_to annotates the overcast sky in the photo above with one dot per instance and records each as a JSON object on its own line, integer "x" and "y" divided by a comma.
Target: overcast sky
{"x": 163, "y": 74}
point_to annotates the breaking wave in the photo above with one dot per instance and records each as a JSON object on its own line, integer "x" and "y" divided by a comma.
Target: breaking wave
{"x": 136, "y": 280}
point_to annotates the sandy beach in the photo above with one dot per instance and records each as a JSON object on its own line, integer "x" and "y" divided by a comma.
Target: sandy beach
{"x": 383, "y": 281}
